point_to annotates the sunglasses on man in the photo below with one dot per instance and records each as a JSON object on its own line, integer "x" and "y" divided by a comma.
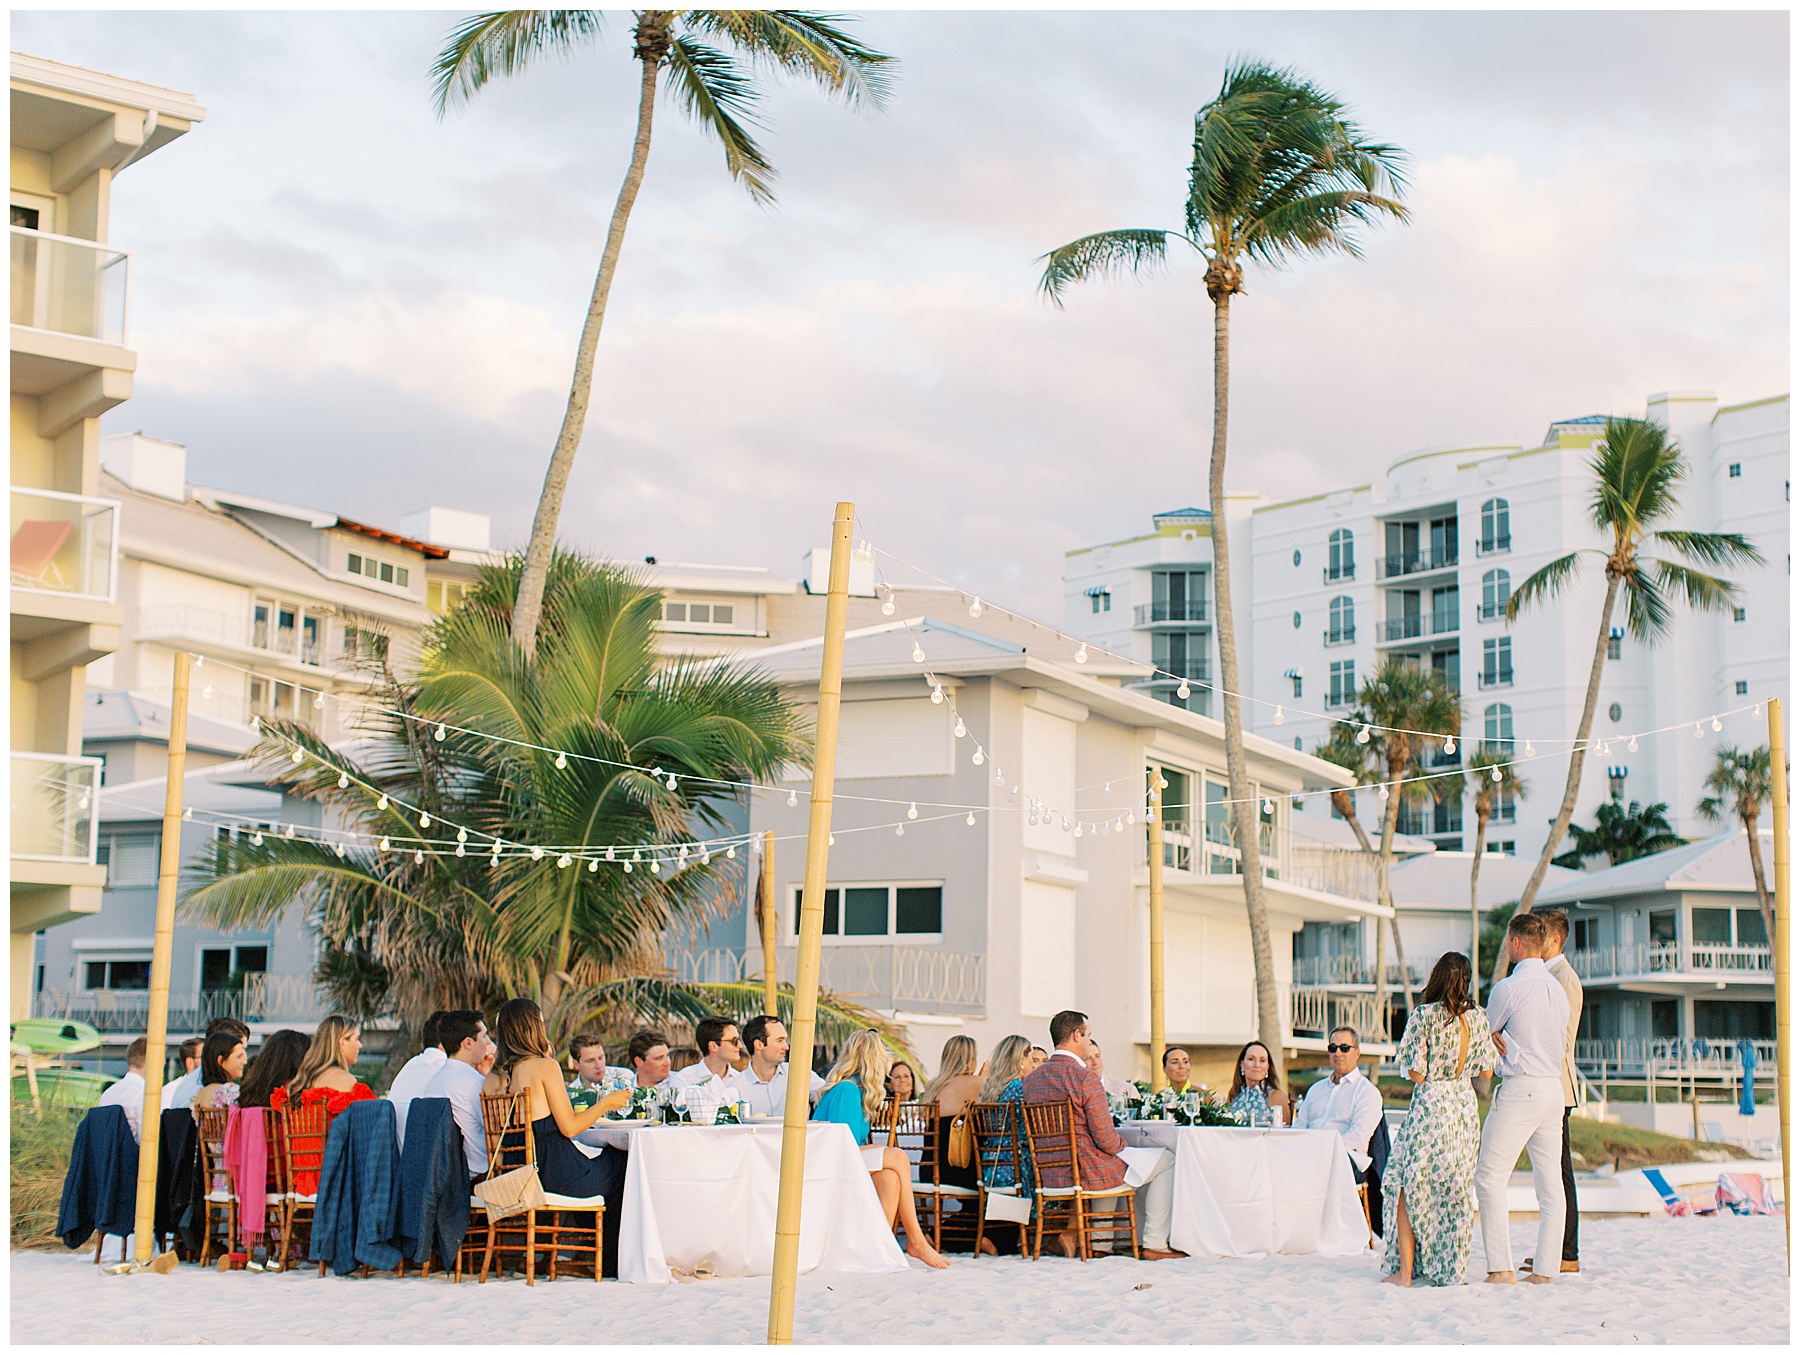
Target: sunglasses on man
{"x": 1339, "y": 1048}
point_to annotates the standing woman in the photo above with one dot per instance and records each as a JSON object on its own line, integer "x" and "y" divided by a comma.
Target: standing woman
{"x": 1429, "y": 1187}
{"x": 1256, "y": 1087}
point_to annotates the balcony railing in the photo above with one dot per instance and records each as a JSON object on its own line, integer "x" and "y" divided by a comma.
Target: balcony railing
{"x": 1415, "y": 627}
{"x": 1343, "y": 635}
{"x": 1703, "y": 1056}
{"x": 1490, "y": 611}
{"x": 230, "y": 630}
{"x": 1494, "y": 545}
{"x": 1670, "y": 959}
{"x": 263, "y": 998}
{"x": 66, "y": 544}
{"x": 1497, "y": 677}
{"x": 1414, "y": 562}
{"x": 913, "y": 978}
{"x": 1331, "y": 870}
{"x": 55, "y": 801}
{"x": 1189, "y": 610}
{"x": 1319, "y": 1011}
{"x": 1335, "y": 573}
{"x": 70, "y": 286}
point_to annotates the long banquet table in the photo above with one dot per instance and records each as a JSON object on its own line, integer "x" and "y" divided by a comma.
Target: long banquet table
{"x": 706, "y": 1194}
{"x": 1249, "y": 1192}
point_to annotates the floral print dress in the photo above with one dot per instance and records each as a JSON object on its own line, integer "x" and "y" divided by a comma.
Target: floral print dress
{"x": 1433, "y": 1161}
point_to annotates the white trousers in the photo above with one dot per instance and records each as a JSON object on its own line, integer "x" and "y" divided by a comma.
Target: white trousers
{"x": 1526, "y": 1114}
{"x": 1153, "y": 1170}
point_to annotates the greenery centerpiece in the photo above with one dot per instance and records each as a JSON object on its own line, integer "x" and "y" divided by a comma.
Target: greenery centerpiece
{"x": 1186, "y": 1109}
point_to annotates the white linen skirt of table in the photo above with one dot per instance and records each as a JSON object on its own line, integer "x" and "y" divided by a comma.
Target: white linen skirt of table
{"x": 1249, "y": 1192}
{"x": 707, "y": 1194}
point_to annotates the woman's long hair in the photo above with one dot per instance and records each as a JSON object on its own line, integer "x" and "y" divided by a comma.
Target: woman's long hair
{"x": 864, "y": 1061}
{"x": 1449, "y": 984}
{"x": 521, "y": 1035}
{"x": 1272, "y": 1083}
{"x": 957, "y": 1060}
{"x": 321, "y": 1054}
{"x": 274, "y": 1066}
{"x": 1006, "y": 1063}
{"x": 213, "y": 1054}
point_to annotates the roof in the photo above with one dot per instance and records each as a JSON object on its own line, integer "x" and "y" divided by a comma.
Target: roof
{"x": 224, "y": 788}
{"x": 1584, "y": 421}
{"x": 1182, "y": 515}
{"x": 1441, "y": 880}
{"x": 887, "y": 647}
{"x": 112, "y": 715}
{"x": 1716, "y": 863}
{"x": 425, "y": 548}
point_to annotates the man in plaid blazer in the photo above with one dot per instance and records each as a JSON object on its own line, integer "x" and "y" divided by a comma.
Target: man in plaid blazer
{"x": 1104, "y": 1156}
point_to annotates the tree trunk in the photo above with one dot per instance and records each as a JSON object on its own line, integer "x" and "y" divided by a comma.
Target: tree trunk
{"x": 1406, "y": 984}
{"x": 1762, "y": 884}
{"x": 528, "y": 608}
{"x": 1481, "y": 818}
{"x": 1384, "y": 893}
{"x": 1346, "y": 808}
{"x": 1243, "y": 810}
{"x": 1577, "y": 757}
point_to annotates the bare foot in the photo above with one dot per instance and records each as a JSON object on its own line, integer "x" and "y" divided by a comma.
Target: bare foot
{"x": 1067, "y": 1243}
{"x": 1501, "y": 1277}
{"x": 988, "y": 1248}
{"x": 1159, "y": 1254}
{"x": 1542, "y": 1279}
{"x": 925, "y": 1252}
{"x": 1404, "y": 1281}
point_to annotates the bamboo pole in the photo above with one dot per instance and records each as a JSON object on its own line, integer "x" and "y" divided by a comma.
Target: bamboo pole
{"x": 162, "y": 954}
{"x": 1159, "y": 1078}
{"x": 767, "y": 913}
{"x": 786, "y": 1269}
{"x": 1783, "y": 1008}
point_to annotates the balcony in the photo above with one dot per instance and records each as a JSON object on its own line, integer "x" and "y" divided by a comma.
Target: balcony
{"x": 1494, "y": 545}
{"x": 1397, "y": 629}
{"x": 64, "y": 546}
{"x": 273, "y": 999}
{"x": 1316, "y": 1012}
{"x": 55, "y": 801}
{"x": 1351, "y": 971}
{"x": 1673, "y": 960}
{"x": 1415, "y": 562}
{"x": 212, "y": 630}
{"x": 890, "y": 978}
{"x": 1339, "y": 573}
{"x": 1496, "y": 677}
{"x": 1345, "y": 635}
{"x": 1330, "y": 870}
{"x": 69, "y": 286}
{"x": 1697, "y": 1057}
{"x": 1177, "y": 612}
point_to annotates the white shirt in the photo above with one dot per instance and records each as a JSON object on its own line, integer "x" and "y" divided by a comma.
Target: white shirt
{"x": 128, "y": 1092}
{"x": 1351, "y": 1107}
{"x": 411, "y": 1080}
{"x": 1529, "y": 1009}
{"x": 182, "y": 1091}
{"x": 697, "y": 1075}
{"x": 1118, "y": 1086}
{"x": 770, "y": 1098}
{"x": 461, "y": 1083}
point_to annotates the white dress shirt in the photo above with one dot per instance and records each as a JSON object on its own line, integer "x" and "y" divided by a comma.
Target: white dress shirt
{"x": 1118, "y": 1086}
{"x": 770, "y": 1098}
{"x": 128, "y": 1092}
{"x": 1350, "y": 1107}
{"x": 461, "y": 1083}
{"x": 698, "y": 1075}
{"x": 411, "y": 1080}
{"x": 1529, "y": 1010}
{"x": 182, "y": 1091}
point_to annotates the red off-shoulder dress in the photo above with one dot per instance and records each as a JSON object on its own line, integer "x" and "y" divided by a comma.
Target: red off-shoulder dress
{"x": 306, "y": 1166}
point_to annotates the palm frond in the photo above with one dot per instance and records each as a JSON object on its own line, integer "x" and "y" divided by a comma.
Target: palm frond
{"x": 504, "y": 42}
{"x": 1703, "y": 592}
{"x": 721, "y": 98}
{"x": 802, "y": 42}
{"x": 1647, "y": 611}
{"x": 1544, "y": 584}
{"x": 1712, "y": 548}
{"x": 1106, "y": 255}
{"x": 1636, "y": 474}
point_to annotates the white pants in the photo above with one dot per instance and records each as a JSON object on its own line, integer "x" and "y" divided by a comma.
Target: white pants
{"x": 1526, "y": 1114}
{"x": 1155, "y": 1180}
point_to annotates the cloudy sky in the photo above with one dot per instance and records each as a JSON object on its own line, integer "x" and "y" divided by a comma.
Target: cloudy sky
{"x": 340, "y": 300}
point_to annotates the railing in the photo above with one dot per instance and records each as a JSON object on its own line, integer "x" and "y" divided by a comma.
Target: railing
{"x": 1498, "y": 677}
{"x": 1156, "y": 613}
{"x": 228, "y": 629}
{"x": 1414, "y": 562}
{"x": 1333, "y": 573}
{"x": 1493, "y": 545}
{"x": 1318, "y": 1011}
{"x": 55, "y": 801}
{"x": 1611, "y": 962}
{"x": 1337, "y": 971}
{"x": 67, "y": 544}
{"x": 70, "y": 286}
{"x": 263, "y": 998}
{"x": 1343, "y": 635}
{"x": 1701, "y": 1055}
{"x": 1331, "y": 870}
{"x": 1491, "y": 611}
{"x": 920, "y": 978}
{"x": 1414, "y": 627}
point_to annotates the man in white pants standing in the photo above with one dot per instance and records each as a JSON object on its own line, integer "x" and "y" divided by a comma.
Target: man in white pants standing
{"x": 1529, "y": 1016}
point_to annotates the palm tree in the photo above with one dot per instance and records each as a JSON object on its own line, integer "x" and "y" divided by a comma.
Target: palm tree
{"x": 1496, "y": 780}
{"x": 1636, "y": 475}
{"x": 1278, "y": 173}
{"x": 1740, "y": 784}
{"x": 1621, "y": 834}
{"x": 709, "y": 56}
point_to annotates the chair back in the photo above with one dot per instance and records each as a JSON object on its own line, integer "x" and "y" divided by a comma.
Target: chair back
{"x": 883, "y": 1123}
{"x": 302, "y": 1139}
{"x": 212, "y": 1141}
{"x": 1050, "y": 1136}
{"x": 506, "y": 1120}
{"x": 919, "y": 1119}
{"x": 996, "y": 1140}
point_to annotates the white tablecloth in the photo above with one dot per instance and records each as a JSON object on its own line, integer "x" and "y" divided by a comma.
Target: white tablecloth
{"x": 1249, "y": 1192}
{"x": 695, "y": 1194}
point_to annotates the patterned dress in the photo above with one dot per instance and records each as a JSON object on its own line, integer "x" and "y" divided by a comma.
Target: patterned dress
{"x": 1434, "y": 1154}
{"x": 1251, "y": 1104}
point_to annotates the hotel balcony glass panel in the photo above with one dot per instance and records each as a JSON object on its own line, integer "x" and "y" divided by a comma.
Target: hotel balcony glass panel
{"x": 69, "y": 286}
{"x": 55, "y": 801}
{"x": 65, "y": 544}
{"x": 1416, "y": 626}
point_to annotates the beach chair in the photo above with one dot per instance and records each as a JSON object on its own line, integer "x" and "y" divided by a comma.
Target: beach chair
{"x": 1678, "y": 1205}
{"x": 997, "y": 1146}
{"x": 219, "y": 1204}
{"x": 919, "y": 1120}
{"x": 507, "y": 1123}
{"x": 1744, "y": 1193}
{"x": 1050, "y": 1138}
{"x": 34, "y": 550}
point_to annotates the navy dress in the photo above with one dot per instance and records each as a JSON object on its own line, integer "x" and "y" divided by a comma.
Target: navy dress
{"x": 563, "y": 1169}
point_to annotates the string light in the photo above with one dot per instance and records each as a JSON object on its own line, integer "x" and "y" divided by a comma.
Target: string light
{"x": 343, "y": 780}
{"x": 971, "y": 819}
{"x": 1081, "y": 654}
{"x": 1528, "y": 749}
{"x": 462, "y": 834}
{"x": 1632, "y": 746}
{"x": 1106, "y": 788}
{"x": 206, "y": 690}
{"x": 1497, "y": 774}
{"x": 256, "y": 839}
{"x": 793, "y": 798}
{"x": 937, "y": 695}
{"x": 918, "y": 654}
{"x": 382, "y": 803}
{"x": 593, "y": 865}
{"x": 1699, "y": 733}
{"x": 439, "y": 736}
{"x": 188, "y": 814}
{"x": 1280, "y": 718}
{"x": 1450, "y": 746}
{"x": 384, "y": 844}
{"x": 655, "y": 866}
{"x": 537, "y": 852}
{"x": 912, "y": 811}
{"x": 1183, "y": 690}
{"x": 899, "y": 830}
{"x": 562, "y": 862}
{"x": 1718, "y": 724}
{"x": 340, "y": 851}
{"x": 298, "y": 755}
{"x": 1363, "y": 735}
{"x": 418, "y": 858}
{"x": 980, "y": 756}
{"x": 961, "y": 729}
{"x": 999, "y": 777}
{"x": 424, "y": 820}
{"x": 461, "y": 850}
{"x": 887, "y": 608}
{"x": 1077, "y": 830}
{"x": 628, "y": 866}
{"x": 975, "y": 607}
{"x": 562, "y": 761}
{"x": 1268, "y": 805}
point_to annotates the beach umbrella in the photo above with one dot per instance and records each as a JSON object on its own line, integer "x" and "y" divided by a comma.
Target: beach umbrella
{"x": 1747, "y": 1095}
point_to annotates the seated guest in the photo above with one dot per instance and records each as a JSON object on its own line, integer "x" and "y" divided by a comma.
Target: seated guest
{"x": 182, "y": 1090}
{"x": 1177, "y": 1067}
{"x": 222, "y": 1060}
{"x": 852, "y": 1096}
{"x": 274, "y": 1066}
{"x": 1346, "y": 1102}
{"x": 1103, "y": 1155}
{"x": 902, "y": 1082}
{"x": 588, "y": 1054}
{"x": 1039, "y": 1057}
{"x": 717, "y": 1038}
{"x": 957, "y": 1084}
{"x": 764, "y": 1082}
{"x": 128, "y": 1091}
{"x": 324, "y": 1079}
{"x": 648, "y": 1055}
{"x": 1112, "y": 1086}
{"x": 416, "y": 1072}
{"x": 1005, "y": 1085}
{"x": 1256, "y": 1087}
{"x": 463, "y": 1037}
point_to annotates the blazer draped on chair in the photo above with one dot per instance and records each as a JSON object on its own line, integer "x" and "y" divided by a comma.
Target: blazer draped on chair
{"x": 357, "y": 1215}
{"x": 100, "y": 1191}
{"x": 434, "y": 1183}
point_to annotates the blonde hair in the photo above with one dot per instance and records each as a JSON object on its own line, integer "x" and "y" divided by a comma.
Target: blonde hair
{"x": 957, "y": 1060}
{"x": 322, "y": 1053}
{"x": 1008, "y": 1061}
{"x": 864, "y": 1061}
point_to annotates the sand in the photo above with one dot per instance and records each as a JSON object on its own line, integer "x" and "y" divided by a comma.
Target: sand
{"x": 1645, "y": 1280}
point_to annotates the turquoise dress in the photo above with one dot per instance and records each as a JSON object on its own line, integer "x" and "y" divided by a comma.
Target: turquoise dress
{"x": 842, "y": 1102}
{"x": 999, "y": 1174}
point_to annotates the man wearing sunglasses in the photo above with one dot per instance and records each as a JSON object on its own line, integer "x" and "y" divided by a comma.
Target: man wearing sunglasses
{"x": 1346, "y": 1102}
{"x": 719, "y": 1044}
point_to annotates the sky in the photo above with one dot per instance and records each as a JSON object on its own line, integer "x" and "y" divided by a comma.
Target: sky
{"x": 343, "y": 301}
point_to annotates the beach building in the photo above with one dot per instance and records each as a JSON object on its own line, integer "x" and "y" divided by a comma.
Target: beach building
{"x": 73, "y": 132}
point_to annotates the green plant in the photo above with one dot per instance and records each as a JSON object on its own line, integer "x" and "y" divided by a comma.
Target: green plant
{"x": 1740, "y": 784}
{"x": 1496, "y": 778}
{"x": 40, "y": 1159}
{"x": 1620, "y": 834}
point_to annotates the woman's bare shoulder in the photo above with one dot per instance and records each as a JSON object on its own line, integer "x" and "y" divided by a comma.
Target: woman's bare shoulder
{"x": 336, "y": 1079}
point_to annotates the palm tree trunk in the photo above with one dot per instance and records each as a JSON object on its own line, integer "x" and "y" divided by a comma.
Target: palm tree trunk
{"x": 1481, "y": 819}
{"x": 1577, "y": 757}
{"x": 1406, "y": 985}
{"x": 1243, "y": 811}
{"x": 1346, "y": 808}
{"x": 652, "y": 42}
{"x": 1762, "y": 885}
{"x": 1384, "y": 893}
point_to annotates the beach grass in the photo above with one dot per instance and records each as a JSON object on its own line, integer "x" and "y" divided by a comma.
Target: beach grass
{"x": 40, "y": 1159}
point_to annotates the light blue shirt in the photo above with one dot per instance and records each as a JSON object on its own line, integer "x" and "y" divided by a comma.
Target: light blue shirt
{"x": 1529, "y": 1009}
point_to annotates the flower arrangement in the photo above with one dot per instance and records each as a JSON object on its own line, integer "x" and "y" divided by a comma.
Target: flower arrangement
{"x": 1192, "y": 1108}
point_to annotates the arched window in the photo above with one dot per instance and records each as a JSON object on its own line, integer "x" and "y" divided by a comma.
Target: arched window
{"x": 1496, "y": 526}
{"x": 1341, "y": 560}
{"x": 1343, "y": 622}
{"x": 1497, "y": 727}
{"x": 1496, "y": 588}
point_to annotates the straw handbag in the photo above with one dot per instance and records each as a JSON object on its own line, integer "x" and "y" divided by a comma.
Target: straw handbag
{"x": 511, "y": 1193}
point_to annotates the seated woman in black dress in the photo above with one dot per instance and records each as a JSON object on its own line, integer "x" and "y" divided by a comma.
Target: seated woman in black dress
{"x": 526, "y": 1062}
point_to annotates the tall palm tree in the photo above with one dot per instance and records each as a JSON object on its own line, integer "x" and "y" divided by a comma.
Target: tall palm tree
{"x": 1621, "y": 833}
{"x": 1637, "y": 474}
{"x": 1279, "y": 172}
{"x": 1741, "y": 785}
{"x": 1496, "y": 780}
{"x": 709, "y": 57}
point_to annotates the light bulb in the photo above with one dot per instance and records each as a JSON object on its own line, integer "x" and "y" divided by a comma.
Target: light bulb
{"x": 999, "y": 777}
{"x": 593, "y": 865}
{"x": 793, "y": 798}
{"x": 1717, "y": 724}
{"x": 1012, "y": 796}
{"x": 1699, "y": 733}
{"x": 418, "y": 858}
{"x": 1497, "y": 775}
{"x": 731, "y": 852}
{"x": 937, "y": 695}
{"x": 461, "y": 850}
{"x": 256, "y": 839}
{"x": 609, "y": 854}
{"x": 628, "y": 867}
{"x": 462, "y": 834}
{"x": 971, "y": 819}
{"x": 1081, "y": 654}
{"x": 289, "y": 834}
{"x": 831, "y": 839}
{"x": 1130, "y": 817}
{"x": 384, "y": 844}
{"x": 343, "y": 780}
{"x": 1078, "y": 830}
{"x": 1279, "y": 717}
{"x": 1384, "y": 792}
{"x": 206, "y": 690}
{"x": 1528, "y": 749}
{"x": 671, "y": 781}
{"x": 1758, "y": 711}
{"x": 912, "y": 811}
{"x": 199, "y": 660}
{"x": 1450, "y": 745}
{"x": 1065, "y": 823}
{"x": 319, "y": 701}
{"x": 1268, "y": 805}
{"x": 188, "y": 815}
{"x": 562, "y": 761}
{"x": 1119, "y": 824}
{"x": 1632, "y": 746}
{"x": 382, "y": 803}
{"x": 1162, "y": 783}
{"x": 1362, "y": 735}
{"x": 899, "y": 830}
{"x": 918, "y": 654}
{"x": 975, "y": 607}
{"x": 887, "y": 608}
{"x": 340, "y": 851}
{"x": 655, "y": 866}
{"x": 424, "y": 820}
{"x": 1105, "y": 827}
{"x": 961, "y": 729}
{"x": 1106, "y": 788}
{"x": 298, "y": 755}
{"x": 980, "y": 757}
{"x": 682, "y": 854}
{"x": 439, "y": 735}
{"x": 1032, "y": 818}
{"x": 562, "y": 862}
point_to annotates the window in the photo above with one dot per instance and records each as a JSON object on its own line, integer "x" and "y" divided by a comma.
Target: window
{"x": 1615, "y": 783}
{"x": 1662, "y": 928}
{"x": 1299, "y": 682}
{"x": 1497, "y": 727}
{"x": 1506, "y": 848}
{"x": 1177, "y": 818}
{"x": 1615, "y": 712}
{"x": 1506, "y": 810}
{"x": 710, "y": 615}
{"x": 1296, "y": 559}
{"x": 361, "y": 643}
{"x": 1343, "y": 684}
{"x": 131, "y": 862}
{"x": 1735, "y": 470}
{"x": 1341, "y": 556}
{"x": 865, "y": 911}
{"x": 443, "y": 595}
{"x": 134, "y": 973}
{"x": 1496, "y": 662}
{"x": 1221, "y": 856}
{"x": 282, "y": 700}
{"x": 355, "y": 563}
{"x": 1742, "y": 689}
{"x": 1297, "y": 620}
{"x": 1737, "y": 613}
{"x": 385, "y": 570}
{"x": 1496, "y": 588}
{"x": 1176, "y": 595}
{"x": 26, "y": 217}
{"x": 1099, "y": 600}
{"x": 1343, "y": 621}
{"x": 1496, "y": 526}
{"x": 1750, "y": 928}
{"x": 225, "y": 966}
{"x": 1615, "y": 642}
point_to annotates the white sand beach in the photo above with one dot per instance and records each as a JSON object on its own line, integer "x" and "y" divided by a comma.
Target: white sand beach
{"x": 1654, "y": 1280}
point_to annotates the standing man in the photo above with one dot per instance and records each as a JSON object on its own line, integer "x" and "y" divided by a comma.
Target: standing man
{"x": 410, "y": 1081}
{"x": 1346, "y": 1103}
{"x": 719, "y": 1044}
{"x": 128, "y": 1091}
{"x": 1564, "y": 973}
{"x": 1529, "y": 1018}
{"x": 764, "y": 1081}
